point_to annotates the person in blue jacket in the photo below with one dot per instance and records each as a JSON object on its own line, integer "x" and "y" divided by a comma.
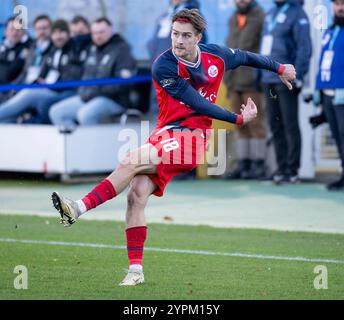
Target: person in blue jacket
{"x": 330, "y": 83}
{"x": 286, "y": 38}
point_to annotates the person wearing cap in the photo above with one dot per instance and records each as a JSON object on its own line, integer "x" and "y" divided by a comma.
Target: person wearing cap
{"x": 330, "y": 84}
{"x": 63, "y": 63}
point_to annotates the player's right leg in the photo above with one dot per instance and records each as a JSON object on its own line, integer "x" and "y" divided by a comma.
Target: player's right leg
{"x": 140, "y": 161}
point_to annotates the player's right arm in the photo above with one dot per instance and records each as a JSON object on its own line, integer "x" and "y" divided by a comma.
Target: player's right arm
{"x": 169, "y": 80}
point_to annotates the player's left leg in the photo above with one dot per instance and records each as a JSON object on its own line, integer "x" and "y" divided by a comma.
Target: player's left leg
{"x": 141, "y": 187}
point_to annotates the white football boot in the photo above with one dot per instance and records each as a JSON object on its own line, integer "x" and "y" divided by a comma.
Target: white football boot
{"x": 68, "y": 209}
{"x": 133, "y": 278}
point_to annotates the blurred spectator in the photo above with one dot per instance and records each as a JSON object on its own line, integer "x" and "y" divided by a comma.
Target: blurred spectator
{"x": 38, "y": 50}
{"x": 79, "y": 26}
{"x": 108, "y": 57}
{"x": 13, "y": 52}
{"x": 245, "y": 28}
{"x": 330, "y": 83}
{"x": 287, "y": 40}
{"x": 161, "y": 40}
{"x": 62, "y": 64}
{"x": 81, "y": 34}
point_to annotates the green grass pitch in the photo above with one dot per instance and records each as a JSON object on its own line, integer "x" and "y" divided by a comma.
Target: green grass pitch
{"x": 74, "y": 272}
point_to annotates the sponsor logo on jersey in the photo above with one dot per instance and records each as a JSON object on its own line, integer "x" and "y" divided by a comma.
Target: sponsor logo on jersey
{"x": 211, "y": 97}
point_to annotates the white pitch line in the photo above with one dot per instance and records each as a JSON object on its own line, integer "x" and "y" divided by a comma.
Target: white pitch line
{"x": 197, "y": 252}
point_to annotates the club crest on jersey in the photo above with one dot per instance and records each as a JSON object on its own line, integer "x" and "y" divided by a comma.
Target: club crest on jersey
{"x": 213, "y": 71}
{"x": 167, "y": 82}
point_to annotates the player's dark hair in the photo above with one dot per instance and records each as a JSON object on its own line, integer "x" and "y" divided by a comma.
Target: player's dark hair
{"x": 192, "y": 16}
{"x": 103, "y": 19}
{"x": 42, "y": 17}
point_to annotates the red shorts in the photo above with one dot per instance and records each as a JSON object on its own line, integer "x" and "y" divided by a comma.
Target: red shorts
{"x": 181, "y": 151}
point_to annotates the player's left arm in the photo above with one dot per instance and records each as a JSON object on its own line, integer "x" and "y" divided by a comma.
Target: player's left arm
{"x": 235, "y": 57}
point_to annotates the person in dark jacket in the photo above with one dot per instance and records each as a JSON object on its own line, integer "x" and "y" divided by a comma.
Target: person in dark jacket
{"x": 108, "y": 57}
{"x": 80, "y": 30}
{"x": 39, "y": 50}
{"x": 61, "y": 64}
{"x": 286, "y": 38}
{"x": 330, "y": 84}
{"x": 13, "y": 53}
{"x": 245, "y": 28}
{"x": 79, "y": 26}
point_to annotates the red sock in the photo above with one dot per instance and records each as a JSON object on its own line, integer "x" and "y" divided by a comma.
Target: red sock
{"x": 135, "y": 241}
{"x": 102, "y": 192}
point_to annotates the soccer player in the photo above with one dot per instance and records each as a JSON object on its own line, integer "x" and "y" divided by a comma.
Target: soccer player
{"x": 187, "y": 78}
